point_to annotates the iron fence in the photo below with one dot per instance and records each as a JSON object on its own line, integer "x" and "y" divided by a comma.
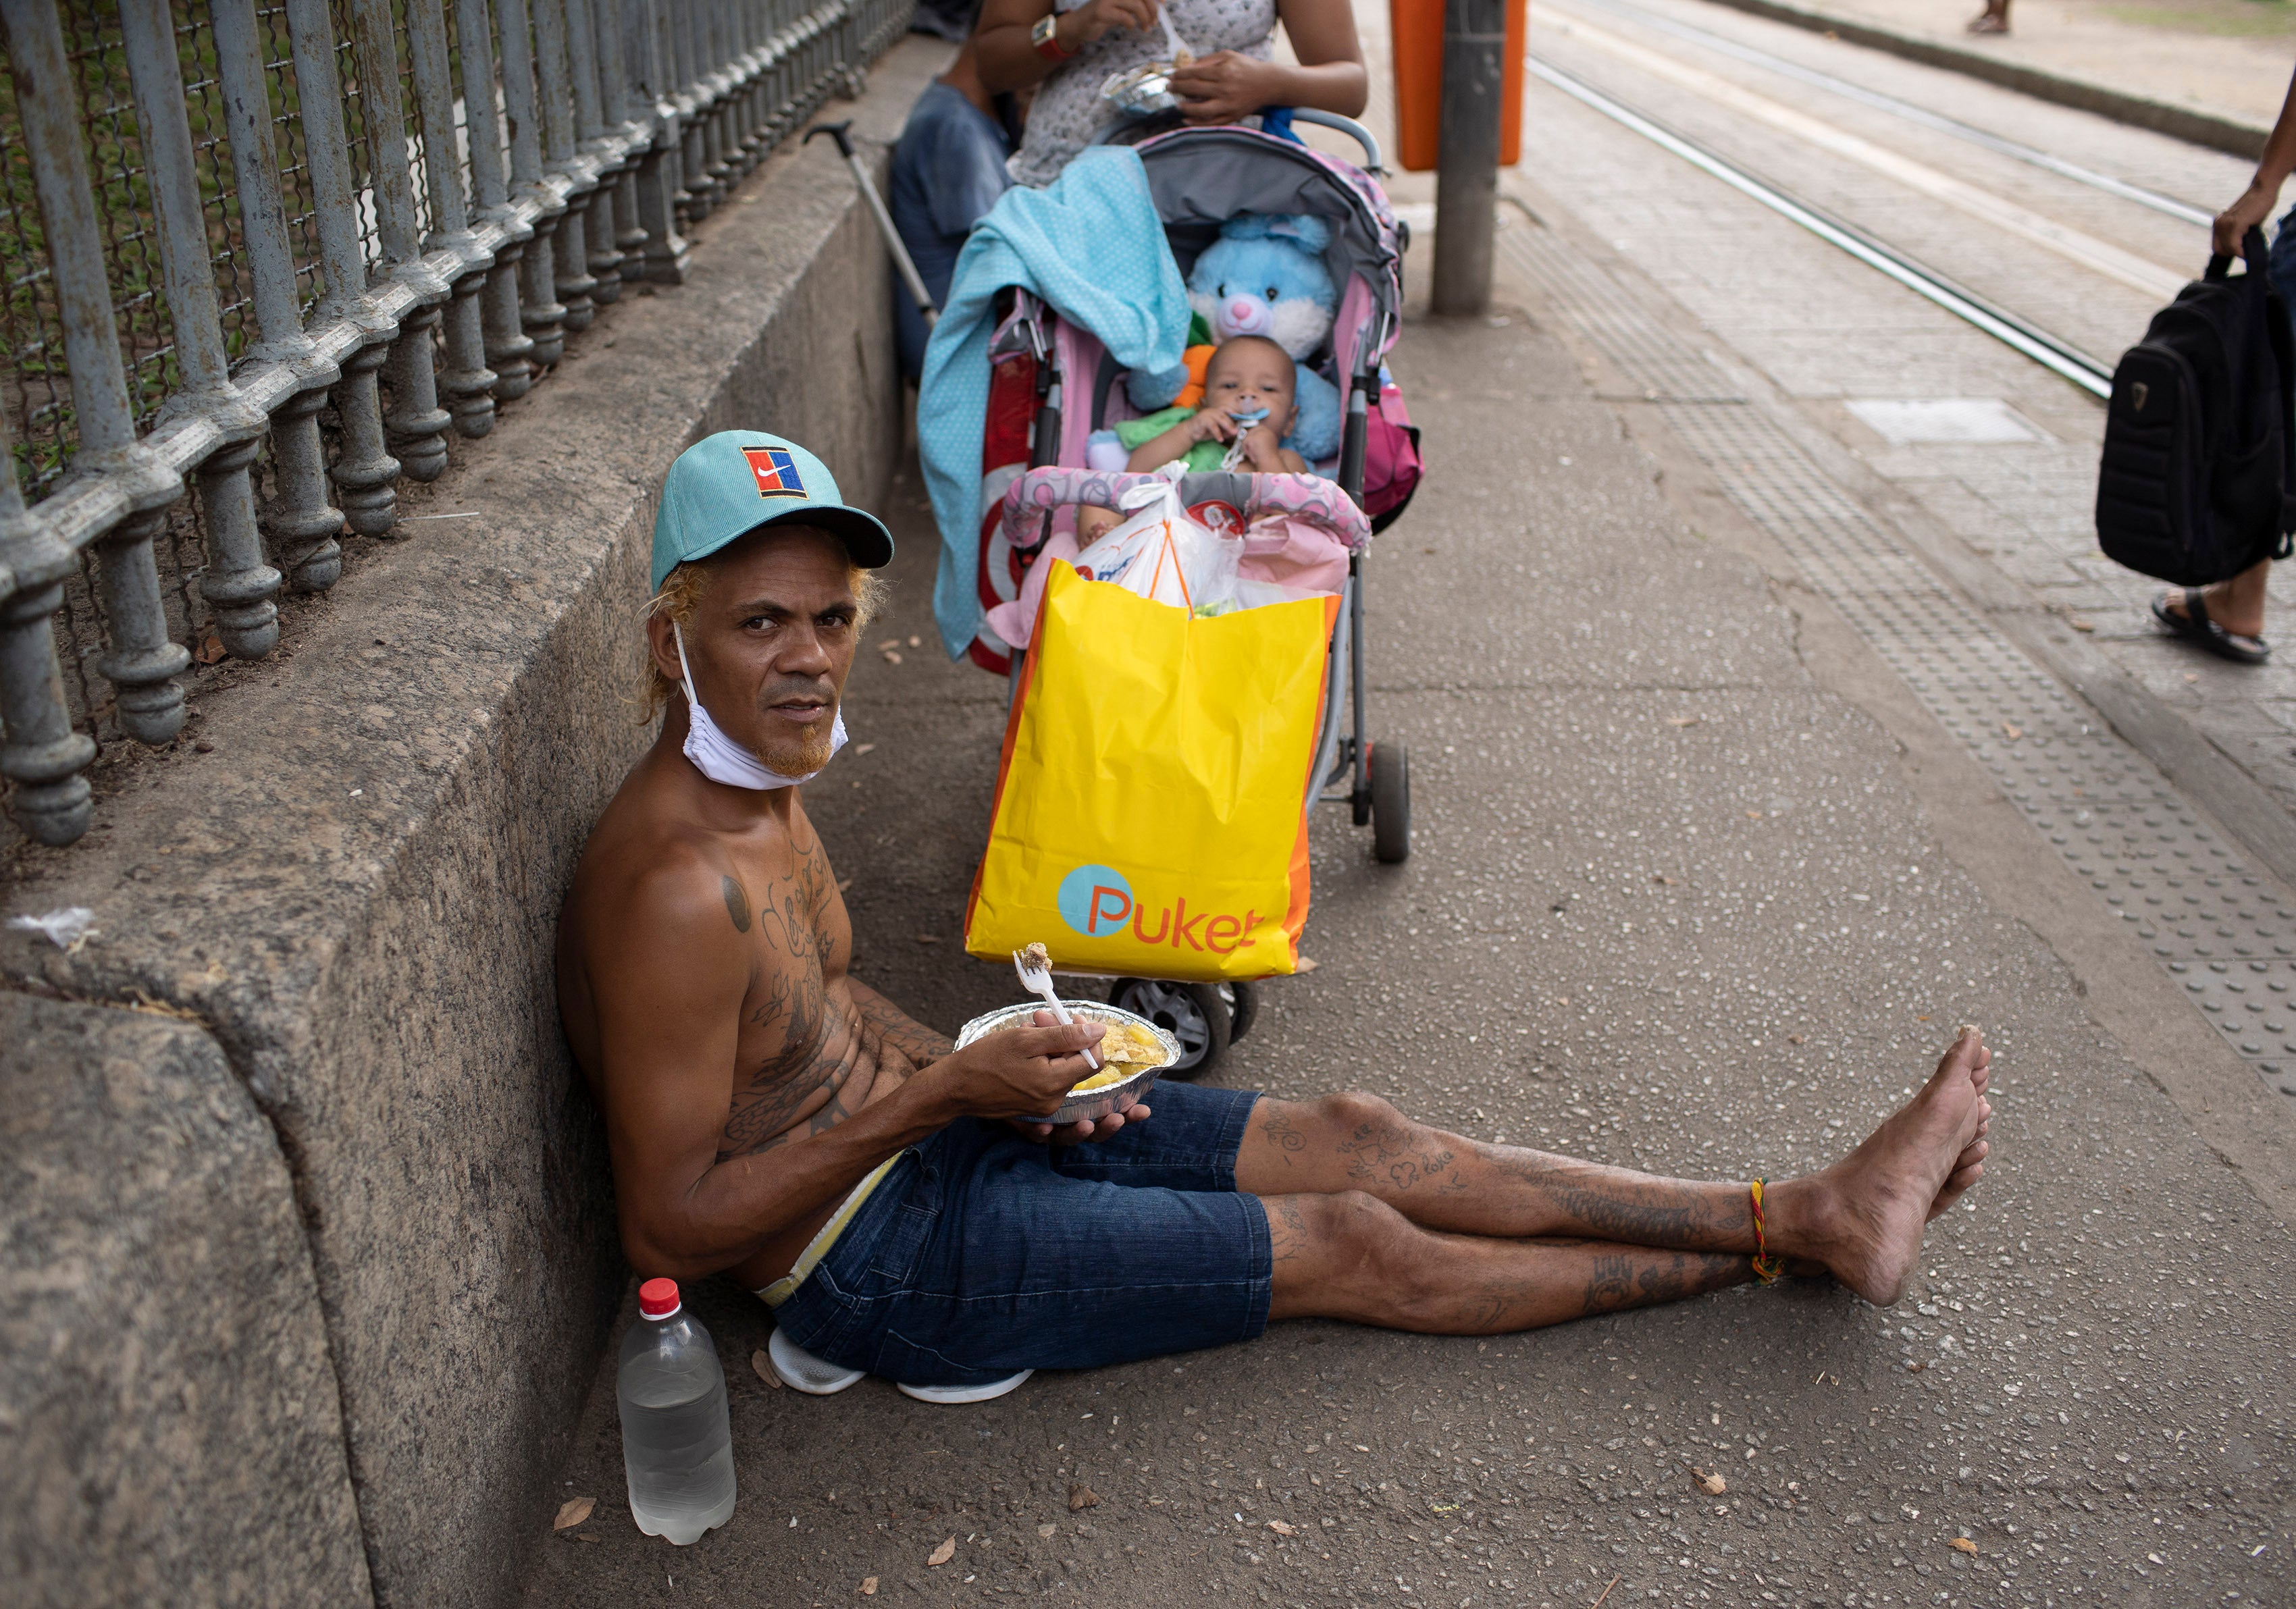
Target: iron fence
{"x": 273, "y": 254}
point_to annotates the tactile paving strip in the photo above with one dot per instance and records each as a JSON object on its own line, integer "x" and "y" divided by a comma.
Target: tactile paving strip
{"x": 2224, "y": 931}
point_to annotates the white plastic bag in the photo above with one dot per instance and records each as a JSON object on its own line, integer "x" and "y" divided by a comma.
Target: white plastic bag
{"x": 1160, "y": 551}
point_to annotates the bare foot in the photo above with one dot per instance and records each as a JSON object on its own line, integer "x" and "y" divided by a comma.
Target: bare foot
{"x": 1989, "y": 23}
{"x": 1863, "y": 1217}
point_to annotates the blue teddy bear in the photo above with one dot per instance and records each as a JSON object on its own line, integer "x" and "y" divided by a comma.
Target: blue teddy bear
{"x": 1265, "y": 275}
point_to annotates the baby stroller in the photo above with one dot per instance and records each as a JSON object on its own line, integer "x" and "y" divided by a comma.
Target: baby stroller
{"x": 1052, "y": 385}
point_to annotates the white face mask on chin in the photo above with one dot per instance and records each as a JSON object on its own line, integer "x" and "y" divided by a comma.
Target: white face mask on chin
{"x": 719, "y": 758}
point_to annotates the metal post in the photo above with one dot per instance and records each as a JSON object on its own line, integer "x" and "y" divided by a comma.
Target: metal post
{"x": 40, "y": 754}
{"x": 238, "y": 585}
{"x": 604, "y": 258}
{"x": 716, "y": 37}
{"x": 571, "y": 259}
{"x": 468, "y": 383}
{"x": 617, "y": 79}
{"x": 1467, "y": 154}
{"x": 301, "y": 524}
{"x": 142, "y": 663}
{"x": 543, "y": 317}
{"x": 418, "y": 424}
{"x": 364, "y": 471}
{"x": 509, "y": 350}
{"x": 693, "y": 160}
{"x": 666, "y": 252}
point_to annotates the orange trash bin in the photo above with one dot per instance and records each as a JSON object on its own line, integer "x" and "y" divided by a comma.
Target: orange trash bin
{"x": 1416, "y": 38}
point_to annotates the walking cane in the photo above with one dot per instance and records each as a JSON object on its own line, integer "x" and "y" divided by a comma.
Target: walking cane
{"x": 842, "y": 134}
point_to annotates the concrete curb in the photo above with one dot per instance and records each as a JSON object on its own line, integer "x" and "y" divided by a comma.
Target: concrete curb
{"x": 355, "y": 891}
{"x": 2227, "y": 134}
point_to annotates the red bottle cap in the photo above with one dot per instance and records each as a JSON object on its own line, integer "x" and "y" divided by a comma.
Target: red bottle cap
{"x": 657, "y": 1298}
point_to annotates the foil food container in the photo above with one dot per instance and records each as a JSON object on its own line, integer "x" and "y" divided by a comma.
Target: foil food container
{"x": 1093, "y": 1104}
{"x": 1142, "y": 89}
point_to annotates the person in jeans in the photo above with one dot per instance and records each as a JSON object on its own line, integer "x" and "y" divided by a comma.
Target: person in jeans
{"x": 2227, "y": 617}
{"x": 773, "y": 1118}
{"x": 947, "y": 171}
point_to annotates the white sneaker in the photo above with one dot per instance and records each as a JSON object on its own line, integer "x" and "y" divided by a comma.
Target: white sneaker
{"x": 967, "y": 1393}
{"x": 801, "y": 1371}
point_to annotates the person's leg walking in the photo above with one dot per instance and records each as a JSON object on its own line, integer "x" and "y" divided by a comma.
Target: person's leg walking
{"x": 1861, "y": 1218}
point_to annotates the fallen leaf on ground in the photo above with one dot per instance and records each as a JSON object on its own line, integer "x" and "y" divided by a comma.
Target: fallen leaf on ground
{"x": 1662, "y": 877}
{"x": 941, "y": 1554}
{"x": 1964, "y": 1545}
{"x": 1082, "y": 1497}
{"x": 863, "y": 748}
{"x": 2078, "y": 624}
{"x": 572, "y": 1512}
{"x": 210, "y": 651}
{"x": 1684, "y": 721}
{"x": 868, "y": 1586}
{"x": 1753, "y": 816}
{"x": 2012, "y": 733}
{"x": 928, "y": 938}
{"x": 1281, "y": 1529}
{"x": 1047, "y": 1530}
{"x": 1794, "y": 1039}
{"x": 584, "y": 1536}
{"x": 1713, "y": 1485}
{"x": 1306, "y": 965}
{"x": 765, "y": 1367}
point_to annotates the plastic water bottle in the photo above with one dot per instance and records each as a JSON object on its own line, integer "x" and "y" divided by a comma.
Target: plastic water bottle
{"x": 677, "y": 1448}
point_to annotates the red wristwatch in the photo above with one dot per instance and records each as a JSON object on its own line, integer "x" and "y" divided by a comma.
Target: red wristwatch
{"x": 1045, "y": 36}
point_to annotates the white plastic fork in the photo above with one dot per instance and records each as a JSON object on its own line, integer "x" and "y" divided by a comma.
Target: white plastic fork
{"x": 1039, "y": 981}
{"x": 1180, "y": 51}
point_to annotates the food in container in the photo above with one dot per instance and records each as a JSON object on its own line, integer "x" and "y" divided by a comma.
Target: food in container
{"x": 1143, "y": 89}
{"x": 1133, "y": 1050}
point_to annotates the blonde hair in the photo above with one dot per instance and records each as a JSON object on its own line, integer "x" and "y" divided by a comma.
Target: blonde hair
{"x": 681, "y": 594}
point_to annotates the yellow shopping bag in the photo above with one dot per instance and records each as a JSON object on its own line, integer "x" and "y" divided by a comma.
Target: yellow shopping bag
{"x": 1152, "y": 810}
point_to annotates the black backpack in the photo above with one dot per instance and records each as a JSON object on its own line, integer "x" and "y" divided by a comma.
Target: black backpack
{"x": 2200, "y": 446}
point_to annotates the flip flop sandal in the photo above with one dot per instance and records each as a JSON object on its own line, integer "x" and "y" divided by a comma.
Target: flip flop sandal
{"x": 988, "y": 1392}
{"x": 801, "y": 1371}
{"x": 2194, "y": 625}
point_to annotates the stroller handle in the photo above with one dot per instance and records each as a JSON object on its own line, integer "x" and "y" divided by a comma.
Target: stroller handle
{"x": 1032, "y": 498}
{"x": 1346, "y": 126}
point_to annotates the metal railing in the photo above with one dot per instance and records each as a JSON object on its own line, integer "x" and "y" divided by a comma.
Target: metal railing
{"x": 274, "y": 253}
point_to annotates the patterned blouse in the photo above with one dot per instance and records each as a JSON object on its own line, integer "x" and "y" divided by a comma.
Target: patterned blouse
{"x": 1068, "y": 112}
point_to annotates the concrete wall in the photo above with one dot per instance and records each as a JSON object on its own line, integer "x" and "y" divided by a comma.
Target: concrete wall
{"x": 348, "y": 871}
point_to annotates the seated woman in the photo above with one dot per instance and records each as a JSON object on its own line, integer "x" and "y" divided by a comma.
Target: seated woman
{"x": 1068, "y": 51}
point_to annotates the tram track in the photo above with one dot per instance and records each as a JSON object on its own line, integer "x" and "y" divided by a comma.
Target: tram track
{"x": 2083, "y": 369}
{"x": 1907, "y": 110}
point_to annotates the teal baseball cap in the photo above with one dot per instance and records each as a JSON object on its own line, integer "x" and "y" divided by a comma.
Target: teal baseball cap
{"x": 725, "y": 486}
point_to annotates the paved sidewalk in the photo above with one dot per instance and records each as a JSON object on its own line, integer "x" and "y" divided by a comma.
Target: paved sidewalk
{"x": 2227, "y": 58}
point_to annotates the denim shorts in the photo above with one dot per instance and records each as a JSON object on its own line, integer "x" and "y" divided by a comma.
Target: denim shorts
{"x": 982, "y": 1254}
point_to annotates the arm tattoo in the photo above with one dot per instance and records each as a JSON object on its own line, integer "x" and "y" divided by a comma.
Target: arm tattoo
{"x": 737, "y": 904}
{"x": 896, "y": 1031}
{"x": 811, "y": 1054}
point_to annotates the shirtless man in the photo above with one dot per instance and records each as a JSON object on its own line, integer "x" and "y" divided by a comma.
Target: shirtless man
{"x": 777, "y": 1120}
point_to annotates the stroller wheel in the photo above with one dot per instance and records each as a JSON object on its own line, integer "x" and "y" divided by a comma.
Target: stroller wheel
{"x": 1390, "y": 803}
{"x": 1195, "y": 1014}
{"x": 1242, "y": 1009}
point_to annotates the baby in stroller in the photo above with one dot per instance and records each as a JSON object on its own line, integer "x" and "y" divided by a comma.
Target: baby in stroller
{"x": 1250, "y": 406}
